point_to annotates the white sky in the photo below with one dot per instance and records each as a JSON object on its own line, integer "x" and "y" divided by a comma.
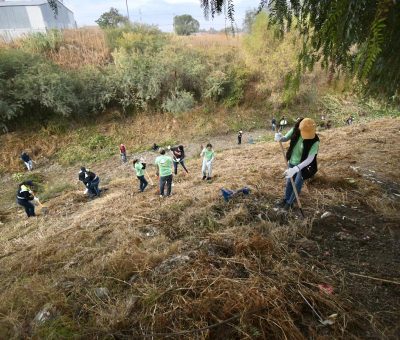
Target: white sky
{"x": 158, "y": 12}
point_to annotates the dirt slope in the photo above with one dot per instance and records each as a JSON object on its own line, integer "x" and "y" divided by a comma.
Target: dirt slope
{"x": 130, "y": 265}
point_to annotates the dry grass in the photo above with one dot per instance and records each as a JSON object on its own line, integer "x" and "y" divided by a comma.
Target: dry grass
{"x": 192, "y": 261}
{"x": 81, "y": 47}
{"x": 210, "y": 41}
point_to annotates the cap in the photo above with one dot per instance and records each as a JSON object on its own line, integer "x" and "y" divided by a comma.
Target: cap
{"x": 307, "y": 128}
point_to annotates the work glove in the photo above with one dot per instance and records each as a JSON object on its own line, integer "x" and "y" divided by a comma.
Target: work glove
{"x": 169, "y": 147}
{"x": 86, "y": 191}
{"x": 36, "y": 199}
{"x": 278, "y": 136}
{"x": 289, "y": 173}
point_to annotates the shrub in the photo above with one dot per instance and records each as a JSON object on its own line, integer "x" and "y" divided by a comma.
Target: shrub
{"x": 43, "y": 43}
{"x": 179, "y": 102}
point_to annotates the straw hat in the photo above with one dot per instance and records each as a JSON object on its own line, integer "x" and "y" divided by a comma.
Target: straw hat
{"x": 307, "y": 128}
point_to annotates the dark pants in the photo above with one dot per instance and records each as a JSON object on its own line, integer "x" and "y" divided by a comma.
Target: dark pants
{"x": 29, "y": 207}
{"x": 143, "y": 183}
{"x": 94, "y": 187}
{"x": 168, "y": 181}
{"x": 239, "y": 140}
{"x": 176, "y": 167}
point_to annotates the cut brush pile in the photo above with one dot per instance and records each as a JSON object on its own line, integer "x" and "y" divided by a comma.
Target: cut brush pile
{"x": 130, "y": 265}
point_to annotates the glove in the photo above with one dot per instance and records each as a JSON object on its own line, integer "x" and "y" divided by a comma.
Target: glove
{"x": 278, "y": 136}
{"x": 169, "y": 147}
{"x": 86, "y": 191}
{"x": 36, "y": 199}
{"x": 289, "y": 173}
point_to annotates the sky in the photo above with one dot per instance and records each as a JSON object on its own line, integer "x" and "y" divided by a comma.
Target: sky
{"x": 158, "y": 12}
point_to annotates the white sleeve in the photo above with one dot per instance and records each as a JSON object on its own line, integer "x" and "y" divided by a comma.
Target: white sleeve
{"x": 306, "y": 162}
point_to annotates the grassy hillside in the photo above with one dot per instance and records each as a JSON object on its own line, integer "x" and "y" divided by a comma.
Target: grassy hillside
{"x": 130, "y": 265}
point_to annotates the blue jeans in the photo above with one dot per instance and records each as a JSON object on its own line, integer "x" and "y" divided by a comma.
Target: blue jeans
{"x": 94, "y": 187}
{"x": 168, "y": 181}
{"x": 290, "y": 197}
{"x": 29, "y": 207}
{"x": 143, "y": 183}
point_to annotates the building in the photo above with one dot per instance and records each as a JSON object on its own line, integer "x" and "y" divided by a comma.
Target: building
{"x": 19, "y": 18}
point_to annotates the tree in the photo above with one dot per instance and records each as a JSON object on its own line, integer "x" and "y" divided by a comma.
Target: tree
{"x": 360, "y": 38}
{"x": 112, "y": 18}
{"x": 248, "y": 21}
{"x": 185, "y": 24}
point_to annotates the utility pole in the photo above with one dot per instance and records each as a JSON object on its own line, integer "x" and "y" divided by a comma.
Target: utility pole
{"x": 127, "y": 8}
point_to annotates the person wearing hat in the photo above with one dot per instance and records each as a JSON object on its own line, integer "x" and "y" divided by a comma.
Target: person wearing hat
{"x": 164, "y": 172}
{"x": 301, "y": 157}
{"x": 25, "y": 196}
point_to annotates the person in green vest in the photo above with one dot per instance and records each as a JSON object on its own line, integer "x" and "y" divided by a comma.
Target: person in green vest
{"x": 301, "y": 157}
{"x": 139, "y": 168}
{"x": 208, "y": 155}
{"x": 164, "y": 172}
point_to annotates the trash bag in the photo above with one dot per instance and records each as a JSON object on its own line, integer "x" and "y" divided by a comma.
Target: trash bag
{"x": 227, "y": 194}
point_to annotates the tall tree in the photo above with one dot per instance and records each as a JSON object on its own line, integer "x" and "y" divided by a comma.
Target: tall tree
{"x": 185, "y": 24}
{"x": 361, "y": 38}
{"x": 112, "y": 18}
{"x": 248, "y": 21}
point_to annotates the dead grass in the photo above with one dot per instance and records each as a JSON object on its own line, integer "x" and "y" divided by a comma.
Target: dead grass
{"x": 178, "y": 267}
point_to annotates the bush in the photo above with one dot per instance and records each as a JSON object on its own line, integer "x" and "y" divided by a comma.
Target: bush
{"x": 179, "y": 102}
{"x": 43, "y": 43}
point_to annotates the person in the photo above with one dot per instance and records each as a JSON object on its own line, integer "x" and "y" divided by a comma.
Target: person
{"x": 282, "y": 123}
{"x": 240, "y": 134}
{"x": 155, "y": 147}
{"x": 301, "y": 157}
{"x": 178, "y": 156}
{"x": 91, "y": 182}
{"x": 122, "y": 151}
{"x": 139, "y": 167}
{"x": 273, "y": 124}
{"x": 164, "y": 172}
{"x": 208, "y": 155}
{"x": 27, "y": 160}
{"x": 25, "y": 197}
{"x": 350, "y": 120}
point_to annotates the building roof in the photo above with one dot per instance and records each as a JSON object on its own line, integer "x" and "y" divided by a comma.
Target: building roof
{"x": 8, "y": 3}
{"x": 22, "y": 3}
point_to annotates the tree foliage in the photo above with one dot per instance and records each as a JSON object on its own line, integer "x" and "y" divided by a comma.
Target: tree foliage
{"x": 185, "y": 24}
{"x": 111, "y": 19}
{"x": 360, "y": 38}
{"x": 249, "y": 19}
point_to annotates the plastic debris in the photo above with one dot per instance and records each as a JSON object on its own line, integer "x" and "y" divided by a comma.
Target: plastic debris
{"x": 325, "y": 288}
{"x": 227, "y": 194}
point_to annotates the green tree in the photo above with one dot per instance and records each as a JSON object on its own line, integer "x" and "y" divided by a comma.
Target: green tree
{"x": 360, "y": 38}
{"x": 249, "y": 19}
{"x": 185, "y": 24}
{"x": 111, "y": 19}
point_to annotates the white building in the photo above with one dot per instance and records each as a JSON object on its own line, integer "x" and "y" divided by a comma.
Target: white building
{"x": 18, "y": 18}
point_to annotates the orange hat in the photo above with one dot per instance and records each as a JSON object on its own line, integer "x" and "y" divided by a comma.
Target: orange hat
{"x": 307, "y": 128}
